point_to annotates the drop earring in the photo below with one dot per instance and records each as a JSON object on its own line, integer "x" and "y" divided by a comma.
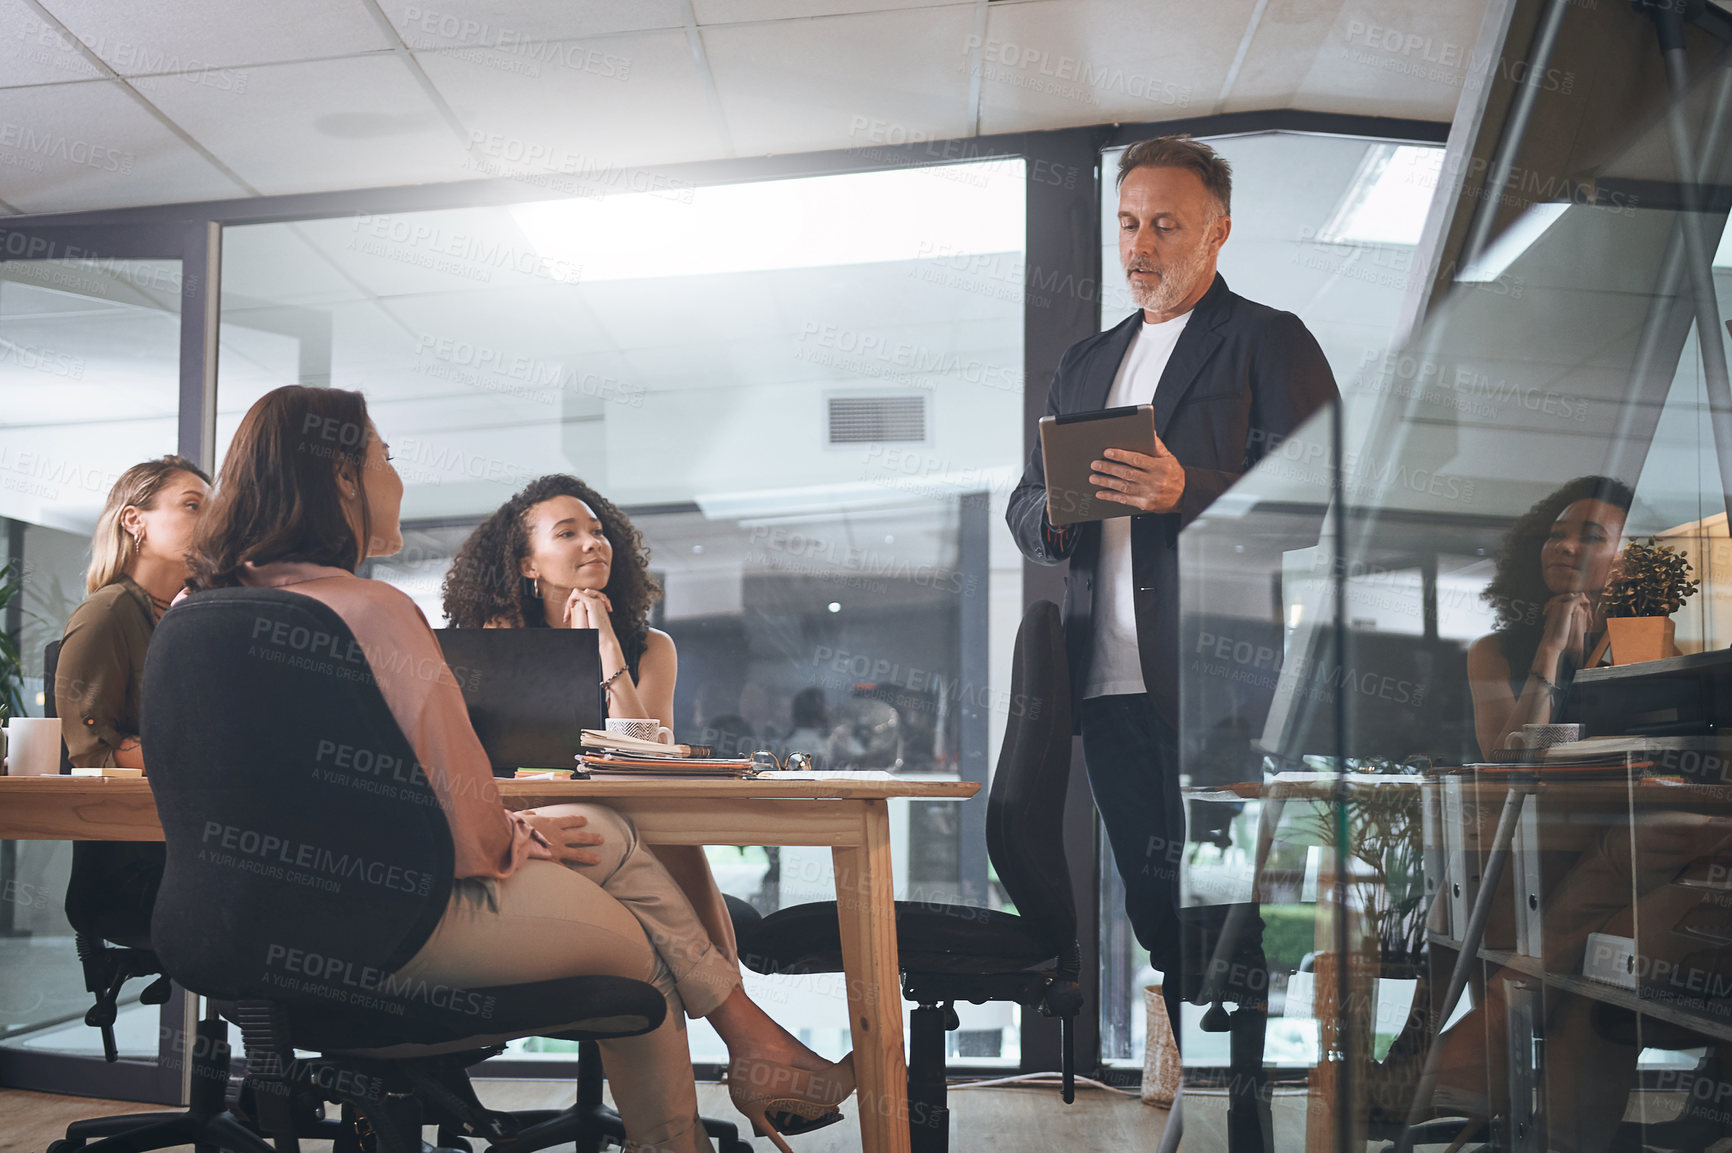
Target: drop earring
{"x": 535, "y": 583}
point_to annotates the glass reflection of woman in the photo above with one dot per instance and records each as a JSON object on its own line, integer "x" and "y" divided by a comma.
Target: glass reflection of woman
{"x": 1546, "y": 593}
{"x": 137, "y": 565}
{"x": 560, "y": 555}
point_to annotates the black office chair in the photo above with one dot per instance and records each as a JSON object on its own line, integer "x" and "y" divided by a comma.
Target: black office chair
{"x": 299, "y": 879}
{"x": 953, "y": 953}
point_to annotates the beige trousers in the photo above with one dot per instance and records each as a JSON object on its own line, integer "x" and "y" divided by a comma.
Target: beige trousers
{"x": 626, "y": 916}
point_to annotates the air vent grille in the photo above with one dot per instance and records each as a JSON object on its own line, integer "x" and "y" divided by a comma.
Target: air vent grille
{"x": 877, "y": 419}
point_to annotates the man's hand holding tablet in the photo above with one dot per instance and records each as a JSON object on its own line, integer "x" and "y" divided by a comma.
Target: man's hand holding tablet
{"x": 1107, "y": 463}
{"x": 1146, "y": 483}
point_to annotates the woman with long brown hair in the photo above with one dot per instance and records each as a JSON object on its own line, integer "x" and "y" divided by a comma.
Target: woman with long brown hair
{"x": 558, "y": 554}
{"x": 307, "y": 492}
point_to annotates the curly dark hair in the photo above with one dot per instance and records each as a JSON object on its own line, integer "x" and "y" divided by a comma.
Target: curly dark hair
{"x": 485, "y": 585}
{"x": 1517, "y": 592}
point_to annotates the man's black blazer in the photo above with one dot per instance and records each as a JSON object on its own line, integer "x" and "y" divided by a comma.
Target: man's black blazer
{"x": 1241, "y": 378}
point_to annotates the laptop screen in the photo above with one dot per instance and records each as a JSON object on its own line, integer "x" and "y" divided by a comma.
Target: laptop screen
{"x": 530, "y": 692}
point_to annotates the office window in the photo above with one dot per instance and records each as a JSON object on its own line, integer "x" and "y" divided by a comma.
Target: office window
{"x": 808, "y": 396}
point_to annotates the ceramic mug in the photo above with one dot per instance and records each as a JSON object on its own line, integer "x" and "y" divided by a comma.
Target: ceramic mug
{"x": 33, "y": 747}
{"x": 643, "y": 728}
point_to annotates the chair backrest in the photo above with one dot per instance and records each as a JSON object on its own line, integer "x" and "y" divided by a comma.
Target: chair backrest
{"x": 308, "y": 856}
{"x": 50, "y": 666}
{"x": 1025, "y": 808}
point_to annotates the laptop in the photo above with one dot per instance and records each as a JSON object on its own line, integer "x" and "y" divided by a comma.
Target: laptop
{"x": 530, "y": 692}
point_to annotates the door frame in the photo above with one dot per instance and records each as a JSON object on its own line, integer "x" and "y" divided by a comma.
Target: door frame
{"x": 197, "y": 246}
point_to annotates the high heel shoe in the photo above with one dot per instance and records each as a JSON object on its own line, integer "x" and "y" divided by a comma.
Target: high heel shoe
{"x": 783, "y": 1100}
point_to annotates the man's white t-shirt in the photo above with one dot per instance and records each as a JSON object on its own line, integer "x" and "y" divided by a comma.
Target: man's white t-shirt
{"x": 1116, "y": 667}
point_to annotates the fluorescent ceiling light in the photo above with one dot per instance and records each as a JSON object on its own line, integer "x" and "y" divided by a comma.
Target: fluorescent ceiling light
{"x": 858, "y": 218}
{"x": 1388, "y": 198}
{"x": 1514, "y": 240}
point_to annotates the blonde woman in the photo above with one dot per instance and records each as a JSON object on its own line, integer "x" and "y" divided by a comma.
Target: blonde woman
{"x": 137, "y": 565}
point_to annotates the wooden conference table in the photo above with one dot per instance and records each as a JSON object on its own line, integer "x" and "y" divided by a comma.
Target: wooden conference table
{"x": 847, "y": 812}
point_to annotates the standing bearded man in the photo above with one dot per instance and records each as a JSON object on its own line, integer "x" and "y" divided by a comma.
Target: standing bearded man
{"x": 1228, "y": 379}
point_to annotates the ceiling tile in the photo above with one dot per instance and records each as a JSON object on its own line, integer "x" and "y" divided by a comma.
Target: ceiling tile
{"x": 197, "y": 35}
{"x": 458, "y": 250}
{"x": 711, "y": 309}
{"x": 309, "y": 96}
{"x": 1057, "y": 63}
{"x": 812, "y": 84}
{"x": 355, "y": 123}
{"x": 625, "y": 100}
{"x": 1394, "y": 59}
{"x": 91, "y": 145}
{"x": 512, "y": 26}
{"x": 32, "y": 51}
{"x": 1279, "y": 56}
{"x": 527, "y": 334}
{"x": 270, "y": 265}
{"x": 739, "y": 11}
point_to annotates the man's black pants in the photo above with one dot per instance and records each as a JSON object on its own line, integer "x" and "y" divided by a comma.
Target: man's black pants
{"x": 1133, "y": 765}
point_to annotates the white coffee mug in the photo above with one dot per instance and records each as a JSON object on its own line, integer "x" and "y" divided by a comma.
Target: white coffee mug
{"x": 643, "y": 728}
{"x": 33, "y": 747}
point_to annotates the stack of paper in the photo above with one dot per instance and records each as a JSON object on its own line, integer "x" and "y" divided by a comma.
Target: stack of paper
{"x": 615, "y": 755}
{"x": 622, "y": 764}
{"x": 620, "y": 743}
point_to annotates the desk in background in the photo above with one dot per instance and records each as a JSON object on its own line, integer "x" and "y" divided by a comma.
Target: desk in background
{"x": 1547, "y": 820}
{"x": 847, "y": 813}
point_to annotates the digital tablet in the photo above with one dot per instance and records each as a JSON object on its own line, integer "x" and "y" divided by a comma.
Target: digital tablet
{"x": 1069, "y": 446}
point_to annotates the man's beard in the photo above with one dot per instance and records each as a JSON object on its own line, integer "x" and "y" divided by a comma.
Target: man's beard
{"x": 1176, "y": 282}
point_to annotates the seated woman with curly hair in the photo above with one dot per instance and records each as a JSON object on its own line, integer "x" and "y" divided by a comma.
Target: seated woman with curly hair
{"x": 560, "y": 555}
{"x": 1552, "y": 568}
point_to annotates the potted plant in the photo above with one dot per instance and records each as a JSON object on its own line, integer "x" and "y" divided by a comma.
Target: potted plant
{"x": 1649, "y": 583}
{"x": 1386, "y": 893}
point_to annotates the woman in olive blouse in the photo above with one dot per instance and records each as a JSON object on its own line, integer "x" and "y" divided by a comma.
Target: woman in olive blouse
{"x": 137, "y": 565}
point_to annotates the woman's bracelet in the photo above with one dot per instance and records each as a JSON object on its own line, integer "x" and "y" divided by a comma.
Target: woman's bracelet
{"x": 1541, "y": 677}
{"x": 607, "y": 684}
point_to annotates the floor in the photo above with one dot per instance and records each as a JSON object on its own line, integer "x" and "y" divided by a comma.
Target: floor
{"x": 1006, "y": 1120}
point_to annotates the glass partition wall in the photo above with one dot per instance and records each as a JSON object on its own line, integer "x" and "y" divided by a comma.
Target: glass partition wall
{"x": 1327, "y": 227}
{"x": 1459, "y": 834}
{"x": 808, "y": 396}
{"x": 808, "y": 393}
{"x": 89, "y": 385}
